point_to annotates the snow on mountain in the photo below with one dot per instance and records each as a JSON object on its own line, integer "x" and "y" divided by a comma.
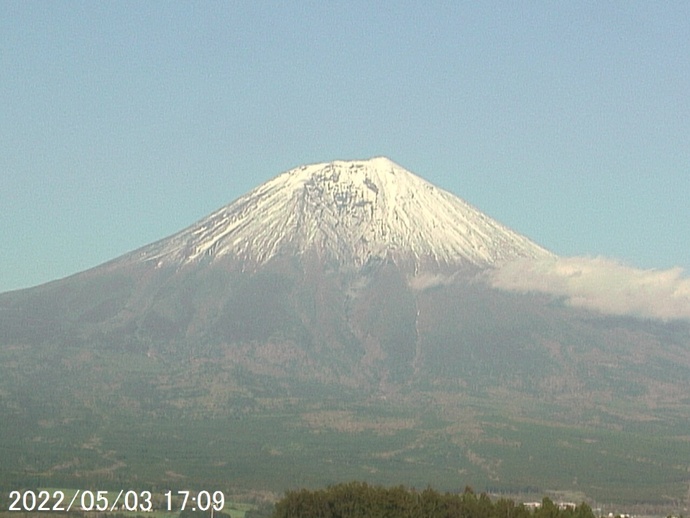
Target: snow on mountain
{"x": 348, "y": 212}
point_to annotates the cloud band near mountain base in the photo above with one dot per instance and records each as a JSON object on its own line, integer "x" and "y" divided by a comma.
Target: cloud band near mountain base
{"x": 601, "y": 284}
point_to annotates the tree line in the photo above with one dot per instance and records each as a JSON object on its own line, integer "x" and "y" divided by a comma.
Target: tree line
{"x": 360, "y": 500}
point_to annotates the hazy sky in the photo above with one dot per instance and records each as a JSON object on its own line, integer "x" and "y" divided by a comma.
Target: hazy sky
{"x": 123, "y": 122}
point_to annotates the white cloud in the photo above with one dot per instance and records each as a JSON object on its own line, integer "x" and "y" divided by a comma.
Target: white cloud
{"x": 601, "y": 284}
{"x": 425, "y": 281}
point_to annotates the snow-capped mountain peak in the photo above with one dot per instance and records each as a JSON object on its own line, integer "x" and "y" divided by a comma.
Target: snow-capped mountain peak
{"x": 349, "y": 212}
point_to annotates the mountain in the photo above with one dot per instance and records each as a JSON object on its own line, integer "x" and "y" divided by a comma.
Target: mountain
{"x": 335, "y": 323}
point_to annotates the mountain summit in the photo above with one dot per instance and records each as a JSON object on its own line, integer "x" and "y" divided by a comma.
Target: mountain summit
{"x": 347, "y": 212}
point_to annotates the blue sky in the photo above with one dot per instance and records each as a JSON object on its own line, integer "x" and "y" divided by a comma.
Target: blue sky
{"x": 123, "y": 122}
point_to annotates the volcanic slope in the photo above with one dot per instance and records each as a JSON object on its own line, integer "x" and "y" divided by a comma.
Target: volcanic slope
{"x": 330, "y": 325}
